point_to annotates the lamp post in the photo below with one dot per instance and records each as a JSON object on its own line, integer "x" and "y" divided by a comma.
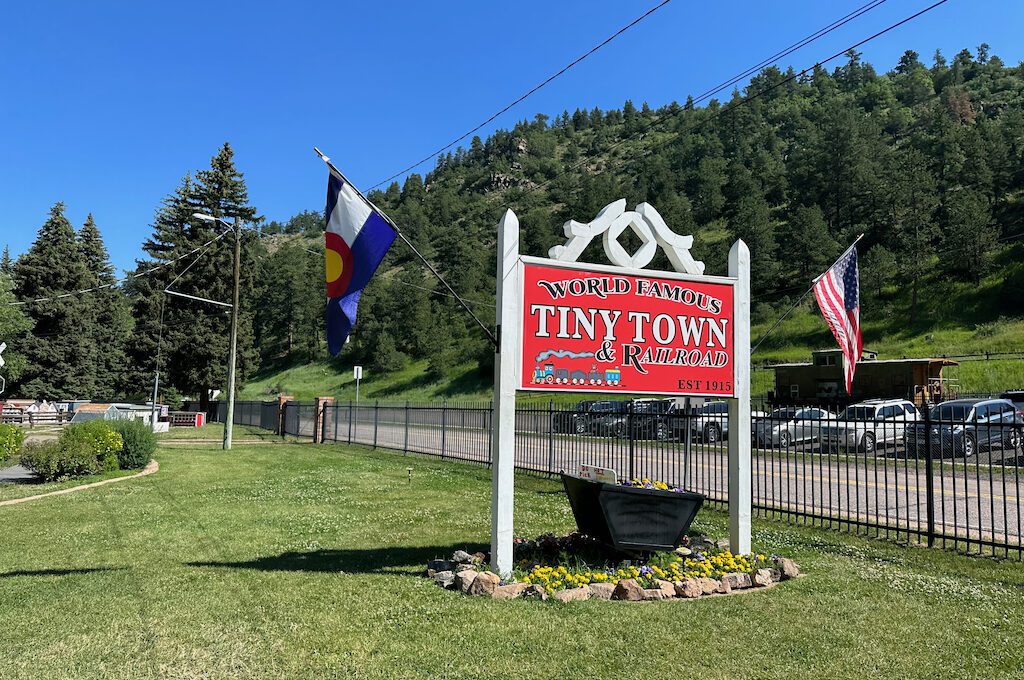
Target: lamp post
{"x": 237, "y": 229}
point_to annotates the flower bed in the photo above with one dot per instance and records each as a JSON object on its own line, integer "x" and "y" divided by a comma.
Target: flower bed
{"x": 575, "y": 567}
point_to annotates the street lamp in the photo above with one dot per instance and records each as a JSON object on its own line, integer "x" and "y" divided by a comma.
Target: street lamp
{"x": 237, "y": 228}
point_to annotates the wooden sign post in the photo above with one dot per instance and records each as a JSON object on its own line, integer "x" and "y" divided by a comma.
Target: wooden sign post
{"x": 570, "y": 326}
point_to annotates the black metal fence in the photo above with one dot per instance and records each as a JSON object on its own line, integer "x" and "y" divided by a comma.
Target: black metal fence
{"x": 948, "y": 475}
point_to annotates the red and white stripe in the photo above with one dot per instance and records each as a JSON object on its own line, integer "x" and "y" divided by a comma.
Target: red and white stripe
{"x": 845, "y": 324}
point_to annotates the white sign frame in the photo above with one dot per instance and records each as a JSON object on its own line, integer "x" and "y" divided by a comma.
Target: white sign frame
{"x": 508, "y": 360}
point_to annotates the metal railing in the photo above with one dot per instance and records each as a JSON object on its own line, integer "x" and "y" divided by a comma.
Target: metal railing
{"x": 943, "y": 476}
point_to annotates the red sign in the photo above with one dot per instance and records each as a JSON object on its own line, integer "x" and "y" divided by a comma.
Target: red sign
{"x": 592, "y": 331}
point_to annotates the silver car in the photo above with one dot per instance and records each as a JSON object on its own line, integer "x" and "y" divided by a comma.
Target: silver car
{"x": 784, "y": 427}
{"x": 869, "y": 425}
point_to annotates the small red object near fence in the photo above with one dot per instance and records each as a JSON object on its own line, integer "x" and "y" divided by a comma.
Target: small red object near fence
{"x": 187, "y": 419}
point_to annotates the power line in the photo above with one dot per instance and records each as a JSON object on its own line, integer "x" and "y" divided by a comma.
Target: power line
{"x": 524, "y": 96}
{"x": 757, "y": 95}
{"x": 136, "y": 275}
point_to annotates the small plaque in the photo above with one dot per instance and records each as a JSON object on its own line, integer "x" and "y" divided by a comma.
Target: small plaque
{"x": 598, "y": 474}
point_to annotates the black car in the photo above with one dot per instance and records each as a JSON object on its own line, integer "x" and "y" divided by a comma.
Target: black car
{"x": 962, "y": 427}
{"x": 653, "y": 418}
{"x": 609, "y": 418}
{"x": 575, "y": 421}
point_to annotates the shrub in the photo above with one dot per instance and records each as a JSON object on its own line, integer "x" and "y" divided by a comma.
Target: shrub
{"x": 57, "y": 460}
{"x": 100, "y": 436}
{"x": 139, "y": 442}
{"x": 11, "y": 439}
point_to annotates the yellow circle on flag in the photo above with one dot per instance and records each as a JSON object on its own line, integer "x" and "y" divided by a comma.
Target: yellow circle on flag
{"x": 335, "y": 265}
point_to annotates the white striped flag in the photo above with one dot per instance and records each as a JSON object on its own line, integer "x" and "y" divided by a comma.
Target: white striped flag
{"x": 838, "y": 295}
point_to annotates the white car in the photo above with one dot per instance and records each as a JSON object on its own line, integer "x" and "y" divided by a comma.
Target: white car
{"x": 869, "y": 425}
{"x": 784, "y": 427}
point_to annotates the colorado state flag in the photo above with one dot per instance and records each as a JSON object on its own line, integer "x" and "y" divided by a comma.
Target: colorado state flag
{"x": 358, "y": 237}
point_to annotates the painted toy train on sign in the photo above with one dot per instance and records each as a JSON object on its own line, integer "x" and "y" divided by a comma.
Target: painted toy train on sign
{"x": 550, "y": 375}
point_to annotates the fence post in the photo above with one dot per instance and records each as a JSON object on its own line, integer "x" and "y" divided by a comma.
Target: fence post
{"x": 490, "y": 431}
{"x": 629, "y": 433}
{"x": 405, "y": 442}
{"x": 376, "y": 411}
{"x": 444, "y": 426}
{"x": 929, "y": 468}
{"x": 349, "y": 421}
{"x": 551, "y": 436}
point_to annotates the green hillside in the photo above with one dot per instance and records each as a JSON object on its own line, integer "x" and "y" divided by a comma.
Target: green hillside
{"x": 925, "y": 160}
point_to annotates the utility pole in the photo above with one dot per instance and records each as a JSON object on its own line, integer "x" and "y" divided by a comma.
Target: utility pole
{"x": 232, "y": 359}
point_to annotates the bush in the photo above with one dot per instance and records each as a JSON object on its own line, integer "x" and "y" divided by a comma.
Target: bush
{"x": 100, "y": 436}
{"x": 11, "y": 439}
{"x": 59, "y": 460}
{"x": 138, "y": 446}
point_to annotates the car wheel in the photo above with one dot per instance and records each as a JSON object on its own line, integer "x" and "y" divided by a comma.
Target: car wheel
{"x": 868, "y": 443}
{"x": 785, "y": 439}
{"x": 579, "y": 425}
{"x": 619, "y": 430}
{"x": 1013, "y": 439}
{"x": 662, "y": 432}
{"x": 712, "y": 433}
{"x": 969, "y": 445}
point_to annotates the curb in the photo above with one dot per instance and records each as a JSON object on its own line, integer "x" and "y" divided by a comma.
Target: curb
{"x": 150, "y": 468}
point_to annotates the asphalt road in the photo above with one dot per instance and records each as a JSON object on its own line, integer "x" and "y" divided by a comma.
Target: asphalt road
{"x": 977, "y": 501}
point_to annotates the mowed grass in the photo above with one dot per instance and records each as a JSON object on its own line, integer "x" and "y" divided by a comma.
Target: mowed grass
{"x": 303, "y": 561}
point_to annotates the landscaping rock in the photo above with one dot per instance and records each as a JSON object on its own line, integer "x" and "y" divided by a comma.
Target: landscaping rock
{"x": 464, "y": 579}
{"x": 707, "y": 585}
{"x": 628, "y": 589}
{"x": 776, "y": 574}
{"x": 534, "y": 590}
{"x": 763, "y": 577}
{"x": 691, "y": 588}
{"x": 445, "y": 579}
{"x": 572, "y": 594}
{"x": 463, "y": 567}
{"x": 667, "y": 588}
{"x": 509, "y": 592}
{"x": 484, "y": 583}
{"x": 601, "y": 591}
{"x": 462, "y": 557}
{"x": 788, "y": 567}
{"x": 479, "y": 558}
{"x": 723, "y": 587}
{"x": 738, "y": 581}
{"x": 653, "y": 594}
{"x": 439, "y": 565}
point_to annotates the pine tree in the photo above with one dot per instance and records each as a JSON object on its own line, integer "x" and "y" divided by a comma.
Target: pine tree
{"x": 13, "y": 325}
{"x": 193, "y": 338}
{"x": 6, "y": 264}
{"x": 60, "y": 355}
{"x": 806, "y": 242}
{"x": 111, "y": 311}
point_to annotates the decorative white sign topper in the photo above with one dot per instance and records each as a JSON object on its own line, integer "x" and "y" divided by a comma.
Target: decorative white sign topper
{"x": 645, "y": 222}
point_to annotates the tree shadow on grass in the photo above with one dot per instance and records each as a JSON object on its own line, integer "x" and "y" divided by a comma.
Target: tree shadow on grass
{"x": 350, "y": 561}
{"x": 57, "y": 572}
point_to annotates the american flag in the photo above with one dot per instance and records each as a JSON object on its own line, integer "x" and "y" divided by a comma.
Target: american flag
{"x": 838, "y": 295}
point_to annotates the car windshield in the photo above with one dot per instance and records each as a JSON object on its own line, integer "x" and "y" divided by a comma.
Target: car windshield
{"x": 951, "y": 412}
{"x": 713, "y": 407}
{"x": 645, "y": 406}
{"x": 857, "y": 413}
{"x": 583, "y": 406}
{"x": 782, "y": 414}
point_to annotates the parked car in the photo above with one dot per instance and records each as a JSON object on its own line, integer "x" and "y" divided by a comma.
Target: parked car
{"x": 869, "y": 424}
{"x": 608, "y": 418}
{"x": 1017, "y": 397}
{"x": 784, "y": 427}
{"x": 709, "y": 422}
{"x": 574, "y": 421}
{"x": 654, "y": 418}
{"x": 962, "y": 427}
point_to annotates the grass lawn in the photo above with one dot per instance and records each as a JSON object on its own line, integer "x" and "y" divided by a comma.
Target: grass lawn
{"x": 9, "y": 491}
{"x": 302, "y": 561}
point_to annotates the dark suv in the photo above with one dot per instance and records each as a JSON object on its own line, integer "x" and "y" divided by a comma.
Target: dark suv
{"x": 575, "y": 421}
{"x": 963, "y": 427}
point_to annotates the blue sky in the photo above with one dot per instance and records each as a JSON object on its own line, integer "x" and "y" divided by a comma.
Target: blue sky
{"x": 106, "y": 105}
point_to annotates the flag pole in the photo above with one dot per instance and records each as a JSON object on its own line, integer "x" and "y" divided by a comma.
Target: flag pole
{"x": 398, "y": 232}
{"x": 801, "y": 299}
